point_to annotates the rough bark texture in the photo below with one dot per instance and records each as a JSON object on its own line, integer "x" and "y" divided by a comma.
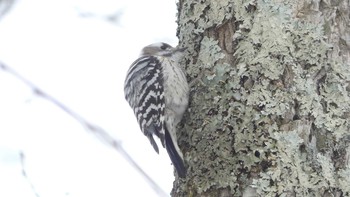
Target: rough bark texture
{"x": 270, "y": 115}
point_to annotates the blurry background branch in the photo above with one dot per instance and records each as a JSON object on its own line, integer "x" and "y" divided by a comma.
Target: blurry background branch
{"x": 24, "y": 172}
{"x": 112, "y": 17}
{"x": 102, "y": 134}
{"x": 5, "y": 6}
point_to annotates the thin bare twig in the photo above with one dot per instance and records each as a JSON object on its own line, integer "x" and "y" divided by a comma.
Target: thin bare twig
{"x": 24, "y": 172}
{"x": 102, "y": 134}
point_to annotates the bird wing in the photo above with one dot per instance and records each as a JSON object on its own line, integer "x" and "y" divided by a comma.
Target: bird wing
{"x": 145, "y": 93}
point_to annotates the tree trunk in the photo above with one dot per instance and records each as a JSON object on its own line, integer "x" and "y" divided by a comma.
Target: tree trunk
{"x": 270, "y": 113}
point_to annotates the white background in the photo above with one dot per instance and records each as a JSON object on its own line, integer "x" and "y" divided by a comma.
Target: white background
{"x": 81, "y": 61}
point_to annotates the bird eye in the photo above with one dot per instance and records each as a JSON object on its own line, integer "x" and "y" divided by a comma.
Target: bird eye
{"x": 163, "y": 47}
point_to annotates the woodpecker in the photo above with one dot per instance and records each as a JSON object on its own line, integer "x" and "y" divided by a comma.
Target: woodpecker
{"x": 157, "y": 90}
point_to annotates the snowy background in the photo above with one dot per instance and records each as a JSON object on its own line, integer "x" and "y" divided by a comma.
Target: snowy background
{"x": 69, "y": 49}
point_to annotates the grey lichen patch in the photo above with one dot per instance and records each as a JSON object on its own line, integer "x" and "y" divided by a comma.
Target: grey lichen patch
{"x": 206, "y": 13}
{"x": 287, "y": 146}
{"x": 317, "y": 91}
{"x": 197, "y": 16}
{"x": 344, "y": 174}
{"x": 296, "y": 172}
{"x": 207, "y": 140}
{"x": 209, "y": 53}
{"x": 327, "y": 167}
{"x": 335, "y": 104}
{"x": 210, "y": 123}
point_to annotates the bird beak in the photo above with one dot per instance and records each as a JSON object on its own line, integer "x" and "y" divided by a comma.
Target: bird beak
{"x": 180, "y": 49}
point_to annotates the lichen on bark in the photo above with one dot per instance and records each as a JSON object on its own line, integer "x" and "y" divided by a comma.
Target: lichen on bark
{"x": 270, "y": 113}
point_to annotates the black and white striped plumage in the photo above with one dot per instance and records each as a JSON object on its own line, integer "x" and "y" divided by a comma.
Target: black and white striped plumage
{"x": 157, "y": 90}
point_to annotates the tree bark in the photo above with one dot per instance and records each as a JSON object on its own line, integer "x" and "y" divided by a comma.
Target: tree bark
{"x": 270, "y": 113}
